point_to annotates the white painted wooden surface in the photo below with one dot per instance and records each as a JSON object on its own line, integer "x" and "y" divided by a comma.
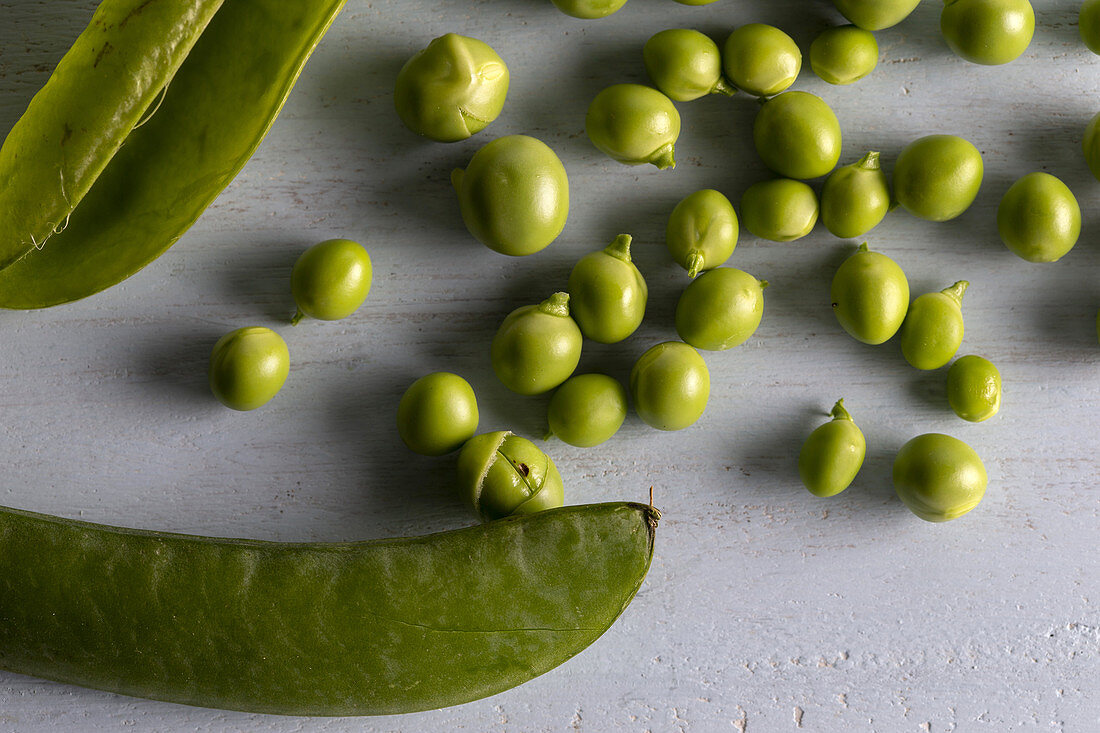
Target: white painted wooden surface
{"x": 766, "y": 609}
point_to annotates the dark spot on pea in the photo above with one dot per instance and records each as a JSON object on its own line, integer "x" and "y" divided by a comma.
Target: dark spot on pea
{"x": 524, "y": 469}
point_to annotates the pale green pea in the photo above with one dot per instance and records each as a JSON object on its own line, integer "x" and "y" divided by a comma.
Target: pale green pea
{"x": 330, "y": 280}
{"x": 670, "y": 385}
{"x": 685, "y": 64}
{"x": 437, "y": 414}
{"x": 937, "y": 177}
{"x": 1088, "y": 23}
{"x": 248, "y": 367}
{"x": 587, "y": 409}
{"x": 589, "y": 9}
{"x": 844, "y": 55}
{"x": 780, "y": 210}
{"x": 933, "y": 328}
{"x": 537, "y": 347}
{"x": 501, "y": 475}
{"x": 634, "y": 124}
{"x": 702, "y": 231}
{"x": 761, "y": 59}
{"x": 797, "y": 135}
{"x": 870, "y": 296}
{"x": 607, "y": 293}
{"x": 832, "y": 455}
{"x": 876, "y": 15}
{"x": 720, "y": 309}
{"x": 989, "y": 32}
{"x": 939, "y": 477}
{"x": 974, "y": 388}
{"x": 855, "y": 198}
{"x": 1039, "y": 219}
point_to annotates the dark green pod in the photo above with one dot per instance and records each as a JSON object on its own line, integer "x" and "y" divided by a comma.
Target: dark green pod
{"x": 341, "y": 628}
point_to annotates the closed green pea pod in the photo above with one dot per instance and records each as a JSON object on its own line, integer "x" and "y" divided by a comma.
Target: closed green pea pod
{"x": 937, "y": 177}
{"x": 720, "y": 309}
{"x": 876, "y": 15}
{"x": 855, "y": 198}
{"x": 501, "y": 475}
{"x": 634, "y": 124}
{"x": 685, "y": 64}
{"x": 586, "y": 410}
{"x": 797, "y": 135}
{"x": 939, "y": 477}
{"x": 514, "y": 195}
{"x": 761, "y": 59}
{"x": 933, "y": 327}
{"x": 670, "y": 385}
{"x": 870, "y": 296}
{"x": 702, "y": 231}
{"x": 974, "y": 388}
{"x": 832, "y": 455}
{"x": 182, "y": 148}
{"x": 537, "y": 347}
{"x": 1039, "y": 219}
{"x": 607, "y": 293}
{"x": 780, "y": 210}
{"x": 452, "y": 89}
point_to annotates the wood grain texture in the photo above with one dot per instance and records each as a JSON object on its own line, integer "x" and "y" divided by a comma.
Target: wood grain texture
{"x": 766, "y": 609}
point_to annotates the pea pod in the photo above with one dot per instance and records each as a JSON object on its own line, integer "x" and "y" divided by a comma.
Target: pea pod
{"x": 344, "y": 628}
{"x": 124, "y": 205}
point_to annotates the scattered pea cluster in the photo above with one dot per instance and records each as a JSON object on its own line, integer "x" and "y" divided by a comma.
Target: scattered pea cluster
{"x": 514, "y": 198}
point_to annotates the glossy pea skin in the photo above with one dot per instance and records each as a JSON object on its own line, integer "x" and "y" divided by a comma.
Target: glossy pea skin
{"x": 933, "y": 328}
{"x": 514, "y": 195}
{"x": 939, "y": 477}
{"x": 1039, "y": 219}
{"x": 702, "y": 231}
{"x": 684, "y": 64}
{"x": 248, "y": 367}
{"x": 537, "y": 347}
{"x": 832, "y": 455}
{"x": 451, "y": 89}
{"x": 844, "y": 55}
{"x": 797, "y": 135}
{"x": 587, "y": 409}
{"x": 855, "y": 198}
{"x": 720, "y": 309}
{"x": 876, "y": 15}
{"x": 330, "y": 280}
{"x": 607, "y": 293}
{"x": 1088, "y": 23}
{"x": 670, "y": 386}
{"x": 634, "y": 124}
{"x": 589, "y": 9}
{"x": 780, "y": 210}
{"x": 937, "y": 177}
{"x": 437, "y": 414}
{"x": 761, "y": 59}
{"x": 502, "y": 475}
{"x": 870, "y": 296}
{"x": 974, "y": 388}
{"x": 1091, "y": 145}
{"x": 988, "y": 32}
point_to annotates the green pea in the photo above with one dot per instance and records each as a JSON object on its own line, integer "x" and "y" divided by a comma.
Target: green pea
{"x": 537, "y": 347}
{"x": 607, "y": 294}
{"x": 939, "y": 477}
{"x": 330, "y": 280}
{"x": 634, "y": 124}
{"x": 974, "y": 388}
{"x": 248, "y": 367}
{"x": 502, "y": 475}
{"x": 870, "y": 295}
{"x": 761, "y": 59}
{"x": 1039, "y": 218}
{"x": 702, "y": 231}
{"x": 933, "y": 328}
{"x": 670, "y": 385}
{"x": 452, "y": 89}
{"x": 937, "y": 177}
{"x": 844, "y": 55}
{"x": 989, "y": 32}
{"x": 876, "y": 15}
{"x": 720, "y": 309}
{"x": 437, "y": 414}
{"x": 587, "y": 409}
{"x": 855, "y": 198}
{"x": 780, "y": 210}
{"x": 1088, "y": 23}
{"x": 797, "y": 135}
{"x": 514, "y": 195}
{"x": 1091, "y": 145}
{"x": 589, "y": 9}
{"x": 685, "y": 64}
{"x": 832, "y": 454}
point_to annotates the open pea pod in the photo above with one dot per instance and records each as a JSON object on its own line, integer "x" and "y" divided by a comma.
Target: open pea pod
{"x": 157, "y": 142}
{"x": 352, "y": 628}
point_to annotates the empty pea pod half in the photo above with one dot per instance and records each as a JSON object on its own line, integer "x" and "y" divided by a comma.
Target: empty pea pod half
{"x": 343, "y": 628}
{"x": 150, "y": 114}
